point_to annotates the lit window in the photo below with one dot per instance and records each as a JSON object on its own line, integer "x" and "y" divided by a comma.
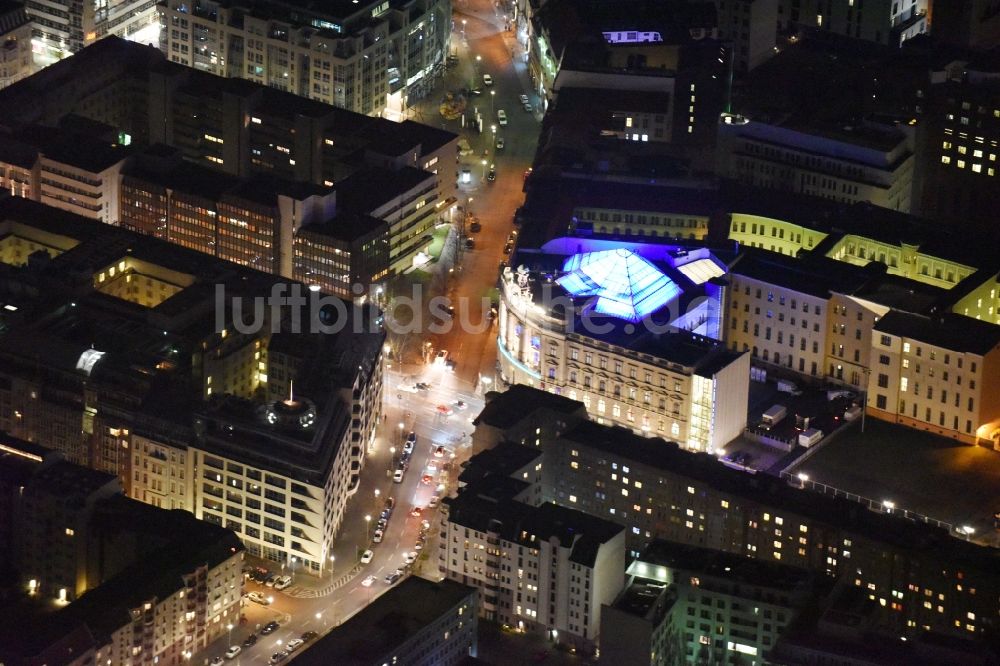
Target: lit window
{"x": 977, "y": 168}
{"x": 255, "y": 120}
{"x": 945, "y": 159}
{"x": 572, "y": 498}
{"x": 69, "y": 531}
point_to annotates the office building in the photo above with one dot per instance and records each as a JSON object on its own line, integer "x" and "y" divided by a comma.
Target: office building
{"x": 668, "y": 381}
{"x": 64, "y": 28}
{"x": 541, "y": 568}
{"x": 685, "y": 604}
{"x": 937, "y": 373}
{"x": 155, "y": 375}
{"x": 341, "y": 254}
{"x": 958, "y": 143}
{"x": 843, "y": 161}
{"x": 889, "y": 22}
{"x": 654, "y": 489}
{"x": 416, "y": 622}
{"x": 974, "y": 24}
{"x": 16, "y": 61}
{"x": 370, "y": 57}
{"x": 751, "y": 26}
{"x": 402, "y": 173}
{"x": 129, "y": 582}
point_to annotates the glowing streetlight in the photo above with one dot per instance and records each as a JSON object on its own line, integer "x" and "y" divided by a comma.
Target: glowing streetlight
{"x": 377, "y": 493}
{"x": 803, "y": 477}
{"x": 967, "y": 531}
{"x": 889, "y": 505}
{"x": 484, "y": 168}
{"x": 230, "y": 628}
{"x": 392, "y": 451}
{"x": 463, "y": 28}
{"x": 493, "y": 94}
{"x": 333, "y": 560}
{"x": 368, "y": 525}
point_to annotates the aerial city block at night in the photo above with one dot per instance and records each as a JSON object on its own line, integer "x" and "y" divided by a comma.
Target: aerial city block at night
{"x": 455, "y": 332}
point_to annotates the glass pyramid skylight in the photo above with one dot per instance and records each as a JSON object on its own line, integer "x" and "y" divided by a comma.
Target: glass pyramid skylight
{"x": 626, "y": 285}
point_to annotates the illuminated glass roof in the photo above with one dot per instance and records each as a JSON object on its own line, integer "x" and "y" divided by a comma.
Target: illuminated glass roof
{"x": 626, "y": 285}
{"x": 701, "y": 270}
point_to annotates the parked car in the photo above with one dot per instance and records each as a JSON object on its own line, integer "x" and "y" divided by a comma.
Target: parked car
{"x": 278, "y": 657}
{"x": 422, "y": 386}
{"x": 377, "y": 537}
{"x": 294, "y": 644}
{"x": 367, "y": 556}
{"x": 282, "y": 582}
{"x": 393, "y": 577}
{"x": 527, "y": 107}
{"x": 410, "y": 557}
{"x": 397, "y": 476}
{"x": 487, "y": 80}
{"x": 270, "y": 628}
{"x": 502, "y": 116}
{"x": 233, "y": 651}
{"x": 492, "y": 175}
{"x": 460, "y": 405}
{"x": 269, "y": 581}
{"x": 523, "y": 98}
{"x": 310, "y": 636}
{"x": 218, "y": 661}
{"x": 250, "y": 641}
{"x": 368, "y": 581}
{"x": 500, "y": 143}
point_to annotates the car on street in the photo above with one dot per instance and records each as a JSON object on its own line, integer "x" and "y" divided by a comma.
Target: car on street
{"x": 382, "y": 523}
{"x": 368, "y": 581}
{"x": 422, "y": 386}
{"x": 475, "y": 227}
{"x": 408, "y": 388}
{"x": 416, "y": 512}
{"x": 377, "y": 537}
{"x": 367, "y": 556}
{"x": 523, "y": 98}
{"x": 460, "y": 405}
{"x": 410, "y": 557}
{"x": 397, "y": 476}
{"x": 434, "y": 501}
{"x": 475, "y": 91}
{"x": 470, "y": 244}
{"x": 269, "y": 580}
{"x": 427, "y": 479}
{"x": 270, "y": 628}
{"x": 500, "y": 143}
{"x": 250, "y": 641}
{"x": 445, "y": 410}
{"x": 281, "y": 582}
{"x": 441, "y": 357}
{"x": 419, "y": 545}
{"x": 407, "y": 448}
{"x": 425, "y": 525}
{"x": 390, "y": 504}
{"x": 439, "y": 452}
{"x": 492, "y": 175}
{"x": 527, "y": 107}
{"x": 310, "y": 636}
{"x": 233, "y": 651}
{"x": 258, "y": 598}
{"x": 393, "y": 577}
{"x": 487, "y": 80}
{"x": 218, "y": 661}
{"x": 502, "y": 116}
{"x": 278, "y": 657}
{"x": 294, "y": 644}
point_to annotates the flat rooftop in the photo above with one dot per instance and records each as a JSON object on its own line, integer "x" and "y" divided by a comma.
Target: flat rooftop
{"x": 389, "y": 622}
{"x": 949, "y": 331}
{"x": 511, "y": 406}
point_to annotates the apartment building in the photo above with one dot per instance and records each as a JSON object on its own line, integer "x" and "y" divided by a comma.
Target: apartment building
{"x": 370, "y": 57}
{"x": 685, "y": 604}
{"x": 937, "y": 373}
{"x": 17, "y": 161}
{"x": 540, "y": 568}
{"x": 419, "y": 621}
{"x": 751, "y": 26}
{"x": 845, "y": 161}
{"x": 132, "y": 583}
{"x": 253, "y": 428}
{"x": 522, "y": 414}
{"x": 673, "y": 383}
{"x": 16, "y": 61}
{"x": 63, "y": 28}
{"x": 660, "y": 491}
{"x": 889, "y": 22}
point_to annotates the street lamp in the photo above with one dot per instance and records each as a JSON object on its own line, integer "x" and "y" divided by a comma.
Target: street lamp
{"x": 402, "y": 427}
{"x": 377, "y": 493}
{"x": 494, "y": 128}
{"x": 802, "y": 479}
{"x": 333, "y": 560}
{"x": 463, "y": 28}
{"x": 368, "y": 525}
{"x": 484, "y": 168}
{"x": 392, "y": 451}
{"x": 889, "y": 505}
{"x": 967, "y": 531}
{"x": 493, "y": 94}
{"x": 230, "y": 628}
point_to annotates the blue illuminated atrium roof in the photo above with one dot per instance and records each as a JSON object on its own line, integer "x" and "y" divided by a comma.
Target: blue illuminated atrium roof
{"x": 626, "y": 285}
